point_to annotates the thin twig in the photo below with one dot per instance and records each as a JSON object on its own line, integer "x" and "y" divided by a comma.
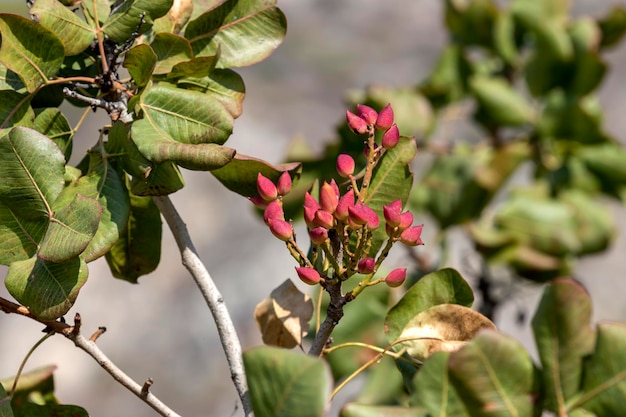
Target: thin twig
{"x": 90, "y": 347}
{"x": 212, "y": 296}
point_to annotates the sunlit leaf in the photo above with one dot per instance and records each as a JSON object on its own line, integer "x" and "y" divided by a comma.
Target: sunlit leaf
{"x": 52, "y": 123}
{"x": 74, "y": 33}
{"x": 246, "y": 32}
{"x": 125, "y": 17}
{"x": 30, "y": 50}
{"x": 170, "y": 49}
{"x": 241, "y": 173}
{"x": 140, "y": 62}
{"x": 286, "y": 383}
{"x": 495, "y": 376}
{"x": 366, "y": 410}
{"x": 563, "y": 334}
{"x": 604, "y": 375}
{"x": 223, "y": 85}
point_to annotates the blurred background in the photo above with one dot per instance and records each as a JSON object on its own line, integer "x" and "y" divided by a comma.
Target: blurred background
{"x": 161, "y": 327}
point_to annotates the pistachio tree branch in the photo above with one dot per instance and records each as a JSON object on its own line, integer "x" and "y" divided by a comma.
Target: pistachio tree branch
{"x": 92, "y": 349}
{"x": 212, "y": 296}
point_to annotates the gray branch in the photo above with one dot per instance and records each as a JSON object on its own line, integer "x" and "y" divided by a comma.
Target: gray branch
{"x": 221, "y": 316}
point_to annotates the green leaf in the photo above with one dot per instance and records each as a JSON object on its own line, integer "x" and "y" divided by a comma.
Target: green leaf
{"x": 445, "y": 286}
{"x": 434, "y": 391}
{"x": 53, "y": 124}
{"x": 15, "y": 109}
{"x": 103, "y": 184}
{"x": 74, "y": 33}
{"x": 246, "y": 32}
{"x": 138, "y": 251}
{"x": 5, "y": 403}
{"x": 71, "y": 229}
{"x": 499, "y": 102}
{"x": 57, "y": 410}
{"x": 604, "y": 380}
{"x": 365, "y": 410}
{"x": 495, "y": 376}
{"x": 563, "y": 334}
{"x": 140, "y": 62}
{"x": 10, "y": 80}
{"x": 48, "y": 289}
{"x": 30, "y": 50}
{"x": 184, "y": 127}
{"x": 19, "y": 237}
{"x": 161, "y": 179}
{"x": 391, "y": 180}
{"x": 588, "y": 67}
{"x": 122, "y": 149}
{"x": 241, "y": 173}
{"x": 171, "y": 50}
{"x": 125, "y": 18}
{"x": 223, "y": 85}
{"x": 195, "y": 67}
{"x": 471, "y": 23}
{"x": 613, "y": 26}
{"x": 32, "y": 168}
{"x": 448, "y": 81}
{"x": 285, "y": 383}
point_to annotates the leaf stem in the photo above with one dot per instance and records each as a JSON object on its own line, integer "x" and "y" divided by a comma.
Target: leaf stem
{"x": 212, "y": 296}
{"x": 30, "y": 352}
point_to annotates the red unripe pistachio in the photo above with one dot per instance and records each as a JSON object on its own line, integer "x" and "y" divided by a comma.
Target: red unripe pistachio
{"x": 367, "y": 113}
{"x": 396, "y": 277}
{"x": 267, "y": 189}
{"x": 385, "y": 118}
{"x": 318, "y": 235}
{"x": 308, "y": 275}
{"x": 258, "y": 202}
{"x": 392, "y": 214}
{"x": 366, "y": 265}
{"x": 309, "y": 216}
{"x": 346, "y": 201}
{"x": 328, "y": 198}
{"x": 391, "y": 137}
{"x": 335, "y": 187}
{"x": 309, "y": 201}
{"x": 372, "y": 219}
{"x": 355, "y": 123}
{"x": 412, "y": 236}
{"x": 406, "y": 220}
{"x": 345, "y": 165}
{"x": 358, "y": 214}
{"x": 284, "y": 184}
{"x": 324, "y": 219}
{"x": 273, "y": 211}
{"x": 281, "y": 229}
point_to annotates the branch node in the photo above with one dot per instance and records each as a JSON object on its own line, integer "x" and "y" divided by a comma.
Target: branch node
{"x": 145, "y": 389}
{"x": 97, "y": 333}
{"x": 77, "y": 323}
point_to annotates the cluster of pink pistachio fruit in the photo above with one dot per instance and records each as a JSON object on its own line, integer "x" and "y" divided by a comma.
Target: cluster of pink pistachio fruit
{"x": 341, "y": 226}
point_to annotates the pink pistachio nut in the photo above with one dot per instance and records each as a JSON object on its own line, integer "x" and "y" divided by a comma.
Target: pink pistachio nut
{"x": 391, "y": 137}
{"x": 366, "y": 265}
{"x": 258, "y": 202}
{"x": 328, "y": 198}
{"x": 392, "y": 213}
{"x": 372, "y": 219}
{"x": 396, "y": 277}
{"x": 267, "y": 189}
{"x": 309, "y": 216}
{"x": 367, "y": 113}
{"x": 385, "y": 118}
{"x": 335, "y": 187}
{"x": 281, "y": 229}
{"x": 412, "y": 236}
{"x": 324, "y": 219}
{"x": 308, "y": 275}
{"x": 358, "y": 214}
{"x": 318, "y": 235}
{"x": 273, "y": 211}
{"x": 346, "y": 201}
{"x": 345, "y": 165}
{"x": 284, "y": 184}
{"x": 355, "y": 123}
{"x": 309, "y": 201}
{"x": 406, "y": 220}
